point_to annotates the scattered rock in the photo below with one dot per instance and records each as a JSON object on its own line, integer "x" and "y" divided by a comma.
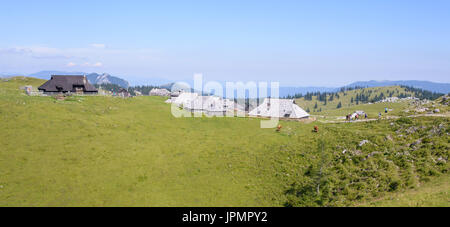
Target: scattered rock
{"x": 411, "y": 129}
{"x": 372, "y": 154}
{"x": 420, "y": 110}
{"x": 435, "y": 130}
{"x": 440, "y": 159}
{"x": 436, "y": 110}
{"x": 389, "y": 137}
{"x": 417, "y": 142}
{"x": 363, "y": 142}
{"x": 445, "y": 100}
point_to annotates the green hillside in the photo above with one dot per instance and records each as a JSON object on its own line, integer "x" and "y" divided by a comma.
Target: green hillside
{"x": 322, "y": 104}
{"x": 435, "y": 193}
{"x": 109, "y": 151}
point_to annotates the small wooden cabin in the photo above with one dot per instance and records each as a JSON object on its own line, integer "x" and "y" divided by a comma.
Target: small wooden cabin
{"x": 68, "y": 84}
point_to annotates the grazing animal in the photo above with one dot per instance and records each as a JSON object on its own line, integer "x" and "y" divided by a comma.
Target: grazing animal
{"x": 279, "y": 128}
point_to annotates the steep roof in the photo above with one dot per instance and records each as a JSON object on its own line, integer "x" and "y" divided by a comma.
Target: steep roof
{"x": 185, "y": 98}
{"x": 279, "y": 108}
{"x": 160, "y": 92}
{"x": 193, "y": 101}
{"x": 66, "y": 83}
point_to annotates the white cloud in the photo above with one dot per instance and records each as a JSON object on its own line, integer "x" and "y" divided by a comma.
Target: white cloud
{"x": 98, "y": 64}
{"x": 98, "y": 45}
{"x": 87, "y": 64}
{"x": 37, "y": 52}
{"x": 35, "y": 58}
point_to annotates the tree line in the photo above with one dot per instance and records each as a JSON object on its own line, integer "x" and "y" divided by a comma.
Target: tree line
{"x": 144, "y": 89}
{"x": 365, "y": 96}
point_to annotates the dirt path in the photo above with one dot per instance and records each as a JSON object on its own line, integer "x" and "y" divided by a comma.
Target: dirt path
{"x": 431, "y": 115}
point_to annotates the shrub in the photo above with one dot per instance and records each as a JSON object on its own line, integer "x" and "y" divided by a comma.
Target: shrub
{"x": 394, "y": 185}
{"x": 404, "y": 120}
{"x": 352, "y": 175}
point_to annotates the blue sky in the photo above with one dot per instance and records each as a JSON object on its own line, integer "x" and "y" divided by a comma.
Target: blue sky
{"x": 299, "y": 43}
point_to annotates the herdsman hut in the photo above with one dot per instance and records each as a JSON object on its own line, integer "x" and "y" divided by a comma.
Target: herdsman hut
{"x": 280, "y": 108}
{"x": 159, "y": 92}
{"x": 68, "y": 85}
{"x": 123, "y": 93}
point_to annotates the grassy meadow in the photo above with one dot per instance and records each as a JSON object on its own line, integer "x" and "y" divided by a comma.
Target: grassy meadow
{"x": 109, "y": 151}
{"x": 349, "y": 103}
{"x": 372, "y": 111}
{"x": 435, "y": 193}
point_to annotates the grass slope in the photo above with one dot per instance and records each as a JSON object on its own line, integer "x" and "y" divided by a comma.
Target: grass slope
{"x": 108, "y": 151}
{"x": 345, "y": 98}
{"x": 432, "y": 194}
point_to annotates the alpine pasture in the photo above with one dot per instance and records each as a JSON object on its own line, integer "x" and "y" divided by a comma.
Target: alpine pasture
{"x": 110, "y": 151}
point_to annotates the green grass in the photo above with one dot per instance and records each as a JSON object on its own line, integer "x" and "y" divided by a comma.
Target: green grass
{"x": 439, "y": 104}
{"x": 109, "y": 151}
{"x": 372, "y": 110}
{"x": 432, "y": 194}
{"x": 345, "y": 98}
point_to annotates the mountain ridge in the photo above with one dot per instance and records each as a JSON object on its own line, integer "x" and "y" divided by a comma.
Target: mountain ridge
{"x": 96, "y": 78}
{"x": 425, "y": 85}
{"x": 93, "y": 78}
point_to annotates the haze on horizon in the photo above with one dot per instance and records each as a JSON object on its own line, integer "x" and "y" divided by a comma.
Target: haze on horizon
{"x": 298, "y": 43}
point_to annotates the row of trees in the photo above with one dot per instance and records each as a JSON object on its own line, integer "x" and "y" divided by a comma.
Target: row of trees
{"x": 422, "y": 94}
{"x": 324, "y": 96}
{"x": 109, "y": 87}
{"x": 145, "y": 90}
{"x": 366, "y": 96}
{"x": 339, "y": 105}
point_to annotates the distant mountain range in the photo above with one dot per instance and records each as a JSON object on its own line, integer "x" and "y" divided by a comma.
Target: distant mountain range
{"x": 105, "y": 78}
{"x": 443, "y": 88}
{"x": 93, "y": 78}
{"x": 425, "y": 85}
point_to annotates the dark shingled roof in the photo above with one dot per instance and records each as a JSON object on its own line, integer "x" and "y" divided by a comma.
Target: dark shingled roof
{"x": 66, "y": 84}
